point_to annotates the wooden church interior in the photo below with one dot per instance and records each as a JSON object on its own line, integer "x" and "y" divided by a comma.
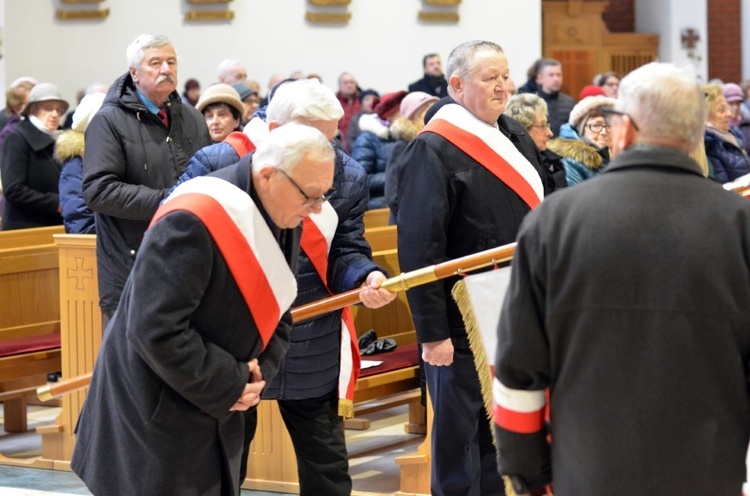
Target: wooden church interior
{"x": 50, "y": 319}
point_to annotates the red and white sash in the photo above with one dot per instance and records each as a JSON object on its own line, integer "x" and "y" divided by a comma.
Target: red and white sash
{"x": 317, "y": 234}
{"x": 491, "y": 148}
{"x": 246, "y": 243}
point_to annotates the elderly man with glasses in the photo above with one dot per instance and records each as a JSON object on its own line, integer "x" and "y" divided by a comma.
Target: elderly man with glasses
{"x": 628, "y": 302}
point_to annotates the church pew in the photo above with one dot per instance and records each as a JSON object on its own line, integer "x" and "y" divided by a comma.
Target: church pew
{"x": 29, "y": 318}
{"x": 376, "y": 218}
{"x": 276, "y": 469}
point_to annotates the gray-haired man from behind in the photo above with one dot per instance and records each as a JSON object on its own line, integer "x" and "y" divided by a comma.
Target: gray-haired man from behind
{"x": 629, "y": 301}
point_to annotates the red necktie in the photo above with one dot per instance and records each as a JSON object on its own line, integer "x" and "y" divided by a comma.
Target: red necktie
{"x": 162, "y": 113}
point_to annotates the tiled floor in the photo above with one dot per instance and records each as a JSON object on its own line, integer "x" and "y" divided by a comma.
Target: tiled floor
{"x": 371, "y": 452}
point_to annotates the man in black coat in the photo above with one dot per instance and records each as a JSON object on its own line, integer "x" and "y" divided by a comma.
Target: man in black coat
{"x": 433, "y": 82}
{"x": 456, "y": 199}
{"x": 202, "y": 325}
{"x": 629, "y": 302}
{"x": 137, "y": 146}
{"x": 559, "y": 105}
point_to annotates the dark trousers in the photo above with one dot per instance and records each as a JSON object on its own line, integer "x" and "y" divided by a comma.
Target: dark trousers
{"x": 317, "y": 434}
{"x": 463, "y": 456}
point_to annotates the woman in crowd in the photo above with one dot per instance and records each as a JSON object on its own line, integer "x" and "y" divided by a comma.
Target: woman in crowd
{"x": 584, "y": 141}
{"x": 724, "y": 146}
{"x": 373, "y": 147}
{"x": 403, "y": 130}
{"x": 192, "y": 92}
{"x": 30, "y": 174}
{"x": 609, "y": 82}
{"x": 531, "y": 111}
{"x": 69, "y": 148}
{"x": 220, "y": 104}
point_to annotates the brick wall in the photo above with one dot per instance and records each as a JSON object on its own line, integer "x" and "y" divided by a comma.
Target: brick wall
{"x": 724, "y": 40}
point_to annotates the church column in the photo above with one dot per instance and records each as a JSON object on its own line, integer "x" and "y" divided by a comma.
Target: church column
{"x": 683, "y": 31}
{"x": 724, "y": 40}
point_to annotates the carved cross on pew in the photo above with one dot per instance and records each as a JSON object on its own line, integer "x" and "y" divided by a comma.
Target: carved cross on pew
{"x": 690, "y": 38}
{"x": 79, "y": 273}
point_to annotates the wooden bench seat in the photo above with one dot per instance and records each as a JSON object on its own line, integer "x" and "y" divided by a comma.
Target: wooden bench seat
{"x": 29, "y": 318}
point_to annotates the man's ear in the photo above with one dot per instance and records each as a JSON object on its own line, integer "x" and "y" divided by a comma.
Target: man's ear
{"x": 264, "y": 177}
{"x": 456, "y": 84}
{"x": 624, "y": 137}
{"x": 133, "y": 73}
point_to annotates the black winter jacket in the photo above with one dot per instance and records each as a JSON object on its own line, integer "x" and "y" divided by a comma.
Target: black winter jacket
{"x": 131, "y": 161}
{"x": 311, "y": 366}
{"x": 30, "y": 175}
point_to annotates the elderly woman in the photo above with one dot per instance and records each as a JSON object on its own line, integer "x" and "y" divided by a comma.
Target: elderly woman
{"x": 724, "y": 146}
{"x": 584, "y": 141}
{"x": 609, "y": 82}
{"x": 222, "y": 108}
{"x": 30, "y": 173}
{"x": 531, "y": 111}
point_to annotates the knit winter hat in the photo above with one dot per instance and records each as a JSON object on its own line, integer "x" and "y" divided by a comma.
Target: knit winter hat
{"x": 85, "y": 110}
{"x": 733, "y": 93}
{"x": 45, "y": 92}
{"x": 591, "y": 90}
{"x": 243, "y": 90}
{"x": 414, "y": 101}
{"x": 586, "y": 106}
{"x": 221, "y": 93}
{"x": 364, "y": 93}
{"x": 389, "y": 104}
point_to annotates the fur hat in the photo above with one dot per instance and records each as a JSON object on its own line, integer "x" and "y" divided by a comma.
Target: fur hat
{"x": 389, "y": 104}
{"x": 243, "y": 90}
{"x": 45, "y": 92}
{"x": 733, "y": 93}
{"x": 85, "y": 110}
{"x": 586, "y": 106}
{"x": 221, "y": 93}
{"x": 414, "y": 101}
{"x": 591, "y": 90}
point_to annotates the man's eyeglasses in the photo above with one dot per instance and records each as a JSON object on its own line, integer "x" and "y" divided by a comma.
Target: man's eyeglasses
{"x": 309, "y": 201}
{"x": 610, "y": 113}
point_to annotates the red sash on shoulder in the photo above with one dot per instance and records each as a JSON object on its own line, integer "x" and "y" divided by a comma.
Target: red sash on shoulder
{"x": 491, "y": 148}
{"x": 240, "y": 142}
{"x": 246, "y": 243}
{"x": 317, "y": 234}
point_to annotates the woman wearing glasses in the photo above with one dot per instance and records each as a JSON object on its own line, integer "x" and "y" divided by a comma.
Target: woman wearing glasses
{"x": 531, "y": 111}
{"x": 584, "y": 141}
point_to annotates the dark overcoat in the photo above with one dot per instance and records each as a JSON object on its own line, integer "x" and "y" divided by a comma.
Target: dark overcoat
{"x": 629, "y": 299}
{"x": 173, "y": 362}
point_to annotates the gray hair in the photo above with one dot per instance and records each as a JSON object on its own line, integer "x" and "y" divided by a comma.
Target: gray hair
{"x": 525, "y": 107}
{"x": 287, "y": 145}
{"x": 304, "y": 100}
{"x": 134, "y": 52}
{"x": 461, "y": 58}
{"x": 226, "y": 67}
{"x": 666, "y": 104}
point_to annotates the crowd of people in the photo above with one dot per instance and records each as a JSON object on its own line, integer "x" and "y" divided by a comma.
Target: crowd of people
{"x": 217, "y": 209}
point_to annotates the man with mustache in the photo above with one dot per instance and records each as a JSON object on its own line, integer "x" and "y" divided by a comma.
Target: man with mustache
{"x": 137, "y": 146}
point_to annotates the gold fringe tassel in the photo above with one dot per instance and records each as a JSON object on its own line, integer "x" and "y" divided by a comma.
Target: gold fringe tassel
{"x": 461, "y": 295}
{"x": 346, "y": 408}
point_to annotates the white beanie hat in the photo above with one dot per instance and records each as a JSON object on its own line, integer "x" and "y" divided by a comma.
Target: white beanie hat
{"x": 586, "y": 106}
{"x": 89, "y": 106}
